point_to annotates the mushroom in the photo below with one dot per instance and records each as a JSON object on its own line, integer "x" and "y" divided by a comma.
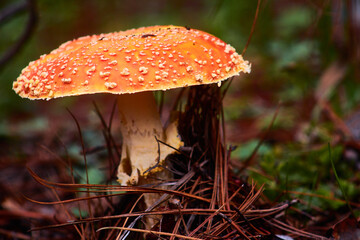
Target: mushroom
{"x": 132, "y": 64}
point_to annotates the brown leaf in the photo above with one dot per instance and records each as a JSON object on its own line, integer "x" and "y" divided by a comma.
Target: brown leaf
{"x": 347, "y": 229}
{"x": 329, "y": 79}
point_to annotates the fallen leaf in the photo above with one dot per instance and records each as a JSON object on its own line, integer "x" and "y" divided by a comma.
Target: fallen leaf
{"x": 347, "y": 229}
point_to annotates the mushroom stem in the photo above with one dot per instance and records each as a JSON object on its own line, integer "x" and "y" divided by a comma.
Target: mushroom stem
{"x": 140, "y": 127}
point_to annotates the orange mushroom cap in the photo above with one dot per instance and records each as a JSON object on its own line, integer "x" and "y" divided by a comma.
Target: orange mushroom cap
{"x": 136, "y": 60}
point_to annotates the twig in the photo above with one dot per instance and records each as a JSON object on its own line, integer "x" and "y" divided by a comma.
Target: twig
{"x": 151, "y": 232}
{"x": 253, "y": 154}
{"x": 86, "y": 167}
{"x": 338, "y": 181}
{"x": 252, "y": 27}
{"x": 30, "y": 5}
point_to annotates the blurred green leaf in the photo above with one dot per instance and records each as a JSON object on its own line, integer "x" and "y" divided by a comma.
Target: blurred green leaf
{"x": 289, "y": 54}
{"x": 79, "y": 213}
{"x": 245, "y": 150}
{"x": 291, "y": 21}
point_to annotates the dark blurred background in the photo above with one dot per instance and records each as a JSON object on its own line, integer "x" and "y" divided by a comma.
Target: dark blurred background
{"x": 305, "y": 59}
{"x": 292, "y": 45}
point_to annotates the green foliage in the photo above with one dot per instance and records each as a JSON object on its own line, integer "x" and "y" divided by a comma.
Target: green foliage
{"x": 289, "y": 53}
{"x": 79, "y": 213}
{"x": 293, "y": 20}
{"x": 245, "y": 150}
{"x": 95, "y": 161}
{"x": 303, "y": 173}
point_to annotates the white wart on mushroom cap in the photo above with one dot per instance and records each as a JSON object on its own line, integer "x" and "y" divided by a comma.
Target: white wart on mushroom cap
{"x": 144, "y": 59}
{"x": 137, "y": 60}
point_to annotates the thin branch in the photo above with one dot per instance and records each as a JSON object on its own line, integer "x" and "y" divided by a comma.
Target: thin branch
{"x": 30, "y": 5}
{"x": 252, "y": 27}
